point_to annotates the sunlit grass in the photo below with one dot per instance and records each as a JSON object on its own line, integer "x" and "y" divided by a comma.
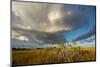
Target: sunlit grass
{"x": 52, "y": 55}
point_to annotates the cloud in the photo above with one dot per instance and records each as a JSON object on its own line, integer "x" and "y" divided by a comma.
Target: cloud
{"x": 86, "y": 35}
{"x": 44, "y": 23}
{"x": 47, "y": 17}
{"x": 38, "y": 37}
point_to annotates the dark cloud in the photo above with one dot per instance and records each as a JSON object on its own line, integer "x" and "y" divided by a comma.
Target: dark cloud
{"x": 86, "y": 35}
{"x": 41, "y": 37}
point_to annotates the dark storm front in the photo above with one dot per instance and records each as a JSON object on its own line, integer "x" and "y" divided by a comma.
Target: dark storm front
{"x": 44, "y": 33}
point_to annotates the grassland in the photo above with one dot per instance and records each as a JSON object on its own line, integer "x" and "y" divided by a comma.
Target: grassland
{"x": 52, "y": 55}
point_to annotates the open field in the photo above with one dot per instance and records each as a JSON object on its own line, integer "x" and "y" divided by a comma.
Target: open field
{"x": 52, "y": 55}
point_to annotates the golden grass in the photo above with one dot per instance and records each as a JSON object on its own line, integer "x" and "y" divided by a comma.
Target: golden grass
{"x": 53, "y": 55}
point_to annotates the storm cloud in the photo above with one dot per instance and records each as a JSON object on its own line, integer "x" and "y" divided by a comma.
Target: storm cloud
{"x": 43, "y": 23}
{"x": 86, "y": 35}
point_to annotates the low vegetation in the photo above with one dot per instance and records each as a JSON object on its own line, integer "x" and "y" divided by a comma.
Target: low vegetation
{"x": 59, "y": 54}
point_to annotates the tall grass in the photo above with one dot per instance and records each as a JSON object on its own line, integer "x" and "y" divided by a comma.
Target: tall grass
{"x": 52, "y": 55}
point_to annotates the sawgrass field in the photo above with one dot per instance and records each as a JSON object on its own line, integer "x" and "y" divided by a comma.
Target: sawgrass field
{"x": 52, "y": 55}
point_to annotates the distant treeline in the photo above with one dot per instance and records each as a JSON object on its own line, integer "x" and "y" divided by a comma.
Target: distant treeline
{"x": 20, "y": 49}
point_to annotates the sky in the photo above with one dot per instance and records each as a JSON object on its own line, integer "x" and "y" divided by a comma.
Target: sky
{"x": 40, "y": 25}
